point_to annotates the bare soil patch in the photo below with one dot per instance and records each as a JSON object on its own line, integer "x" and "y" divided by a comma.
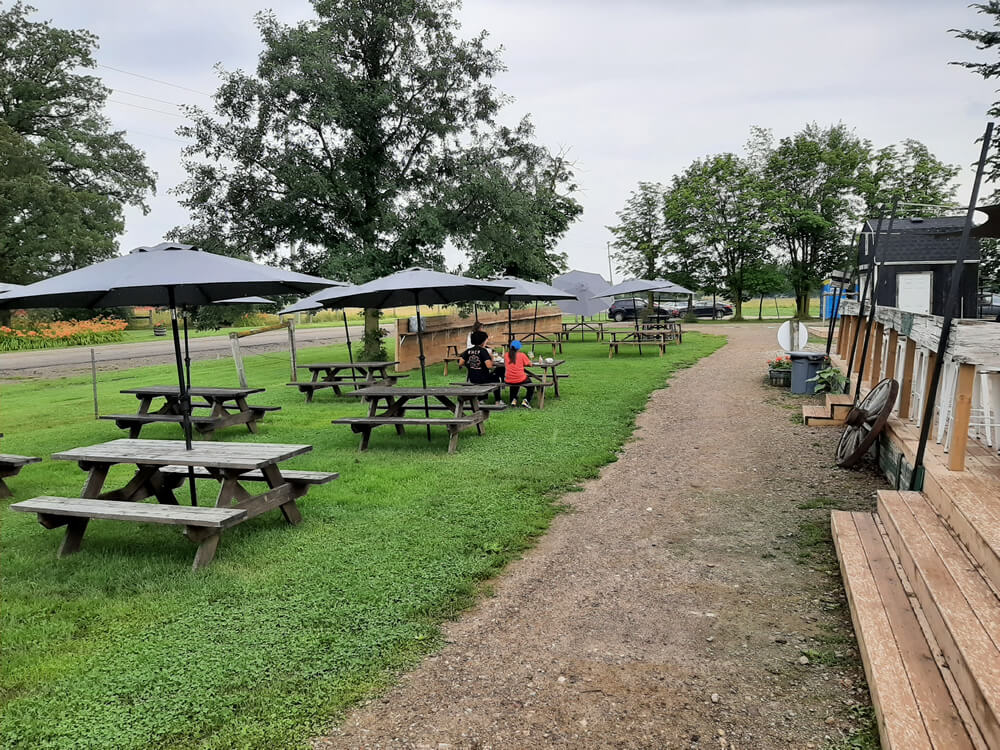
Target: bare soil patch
{"x": 688, "y": 598}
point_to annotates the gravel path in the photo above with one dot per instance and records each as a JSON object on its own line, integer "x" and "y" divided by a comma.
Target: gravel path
{"x": 685, "y": 600}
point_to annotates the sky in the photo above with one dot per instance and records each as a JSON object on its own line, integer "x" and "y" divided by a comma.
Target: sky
{"x": 631, "y": 91}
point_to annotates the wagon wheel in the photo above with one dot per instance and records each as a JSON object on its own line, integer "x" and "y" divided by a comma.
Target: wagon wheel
{"x": 865, "y": 422}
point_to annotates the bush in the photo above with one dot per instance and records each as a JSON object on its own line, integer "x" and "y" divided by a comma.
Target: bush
{"x": 62, "y": 333}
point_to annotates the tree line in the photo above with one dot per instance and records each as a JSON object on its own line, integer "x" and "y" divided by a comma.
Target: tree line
{"x": 779, "y": 215}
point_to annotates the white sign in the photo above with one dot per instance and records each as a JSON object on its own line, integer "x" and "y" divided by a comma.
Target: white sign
{"x": 785, "y": 333}
{"x": 913, "y": 292}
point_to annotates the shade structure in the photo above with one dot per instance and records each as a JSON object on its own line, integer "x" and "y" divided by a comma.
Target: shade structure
{"x": 522, "y": 290}
{"x": 246, "y": 301}
{"x": 165, "y": 275}
{"x": 586, "y": 289}
{"x": 7, "y": 288}
{"x": 641, "y": 286}
{"x": 415, "y": 286}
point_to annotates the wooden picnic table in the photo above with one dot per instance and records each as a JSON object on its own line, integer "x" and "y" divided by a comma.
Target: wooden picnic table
{"x": 162, "y": 466}
{"x": 462, "y": 404}
{"x": 337, "y": 375}
{"x": 597, "y": 326}
{"x": 534, "y": 337}
{"x": 10, "y": 466}
{"x": 226, "y": 406}
{"x": 638, "y": 338}
{"x": 549, "y": 375}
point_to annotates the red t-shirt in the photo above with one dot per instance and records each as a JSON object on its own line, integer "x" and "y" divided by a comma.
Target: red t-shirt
{"x": 515, "y": 368}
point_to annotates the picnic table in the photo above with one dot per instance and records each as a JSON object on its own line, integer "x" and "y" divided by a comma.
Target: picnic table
{"x": 161, "y": 467}
{"x": 535, "y": 337}
{"x": 460, "y": 402}
{"x": 10, "y": 466}
{"x": 597, "y": 326}
{"x": 226, "y": 406}
{"x": 337, "y": 375}
{"x": 548, "y": 377}
{"x": 638, "y": 338}
{"x": 672, "y": 328}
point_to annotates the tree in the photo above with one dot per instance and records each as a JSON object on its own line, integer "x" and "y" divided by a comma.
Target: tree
{"x": 514, "y": 202}
{"x": 641, "y": 234}
{"x": 719, "y": 205}
{"x": 813, "y": 178}
{"x": 349, "y": 141}
{"x": 65, "y": 177}
{"x": 764, "y": 277}
{"x": 909, "y": 173}
{"x": 986, "y": 40}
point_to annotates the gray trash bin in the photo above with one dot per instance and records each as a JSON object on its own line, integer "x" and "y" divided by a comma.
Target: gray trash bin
{"x": 805, "y": 365}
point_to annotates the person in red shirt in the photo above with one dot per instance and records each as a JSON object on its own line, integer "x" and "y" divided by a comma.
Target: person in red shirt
{"x": 515, "y": 377}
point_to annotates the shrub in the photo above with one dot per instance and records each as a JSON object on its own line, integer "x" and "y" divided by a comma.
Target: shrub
{"x": 62, "y": 333}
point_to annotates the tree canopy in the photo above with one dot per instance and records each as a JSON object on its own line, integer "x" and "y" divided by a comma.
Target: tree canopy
{"x": 65, "y": 176}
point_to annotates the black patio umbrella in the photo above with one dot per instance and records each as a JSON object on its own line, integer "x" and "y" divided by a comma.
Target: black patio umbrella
{"x": 586, "y": 288}
{"x": 164, "y": 275}
{"x": 307, "y": 304}
{"x": 522, "y": 290}
{"x": 636, "y": 286}
{"x": 9, "y": 288}
{"x": 414, "y": 286}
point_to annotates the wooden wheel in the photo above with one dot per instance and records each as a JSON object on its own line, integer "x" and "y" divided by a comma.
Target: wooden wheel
{"x": 865, "y": 422}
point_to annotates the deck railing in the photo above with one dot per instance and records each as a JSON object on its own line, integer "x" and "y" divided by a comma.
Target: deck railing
{"x": 904, "y": 346}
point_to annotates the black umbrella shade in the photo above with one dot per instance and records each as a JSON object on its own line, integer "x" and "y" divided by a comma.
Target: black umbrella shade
{"x": 147, "y": 274}
{"x": 585, "y": 288}
{"x": 7, "y": 288}
{"x": 639, "y": 286}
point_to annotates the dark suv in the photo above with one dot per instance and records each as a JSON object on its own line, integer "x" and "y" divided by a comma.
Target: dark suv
{"x": 624, "y": 309}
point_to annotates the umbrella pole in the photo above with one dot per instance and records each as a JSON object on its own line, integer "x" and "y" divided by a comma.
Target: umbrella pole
{"x": 187, "y": 353}
{"x": 423, "y": 372}
{"x": 185, "y": 397}
{"x": 510, "y": 335}
{"x": 638, "y": 338}
{"x": 347, "y": 333}
{"x": 475, "y": 309}
{"x": 534, "y": 323}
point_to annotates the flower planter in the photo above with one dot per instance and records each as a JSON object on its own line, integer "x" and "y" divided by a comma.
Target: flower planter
{"x": 780, "y": 377}
{"x": 159, "y": 330}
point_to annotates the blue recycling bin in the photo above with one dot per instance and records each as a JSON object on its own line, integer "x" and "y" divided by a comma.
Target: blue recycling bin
{"x": 805, "y": 365}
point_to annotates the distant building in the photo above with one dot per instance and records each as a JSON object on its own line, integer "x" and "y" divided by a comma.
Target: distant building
{"x": 915, "y": 263}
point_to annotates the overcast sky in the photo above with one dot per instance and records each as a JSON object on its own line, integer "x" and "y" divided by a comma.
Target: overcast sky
{"x": 633, "y": 90}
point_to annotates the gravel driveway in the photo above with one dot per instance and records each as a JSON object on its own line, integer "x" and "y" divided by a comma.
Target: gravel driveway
{"x": 688, "y": 598}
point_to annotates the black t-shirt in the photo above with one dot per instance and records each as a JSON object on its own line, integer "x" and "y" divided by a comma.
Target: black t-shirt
{"x": 475, "y": 359}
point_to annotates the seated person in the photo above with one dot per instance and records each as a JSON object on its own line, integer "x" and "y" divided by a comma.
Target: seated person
{"x": 478, "y": 359}
{"x": 476, "y": 327}
{"x": 515, "y": 377}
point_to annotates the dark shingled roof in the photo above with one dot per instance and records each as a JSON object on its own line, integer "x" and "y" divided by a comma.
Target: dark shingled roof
{"x": 920, "y": 240}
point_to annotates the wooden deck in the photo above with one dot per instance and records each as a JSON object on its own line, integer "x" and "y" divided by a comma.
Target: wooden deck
{"x": 922, "y": 576}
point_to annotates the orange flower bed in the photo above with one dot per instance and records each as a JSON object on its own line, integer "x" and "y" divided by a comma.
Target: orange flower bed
{"x": 63, "y": 333}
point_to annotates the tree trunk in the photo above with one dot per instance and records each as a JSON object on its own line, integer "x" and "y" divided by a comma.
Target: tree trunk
{"x": 760, "y": 310}
{"x": 374, "y": 346}
{"x": 802, "y": 306}
{"x": 738, "y": 307}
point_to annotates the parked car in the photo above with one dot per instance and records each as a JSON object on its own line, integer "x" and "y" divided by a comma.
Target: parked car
{"x": 703, "y": 310}
{"x": 624, "y": 309}
{"x": 989, "y": 307}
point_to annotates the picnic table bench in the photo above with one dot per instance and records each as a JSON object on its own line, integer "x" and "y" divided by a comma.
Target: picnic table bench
{"x": 597, "y": 326}
{"x": 161, "y": 467}
{"x": 337, "y": 375}
{"x": 534, "y": 337}
{"x": 227, "y": 407}
{"x": 637, "y": 338}
{"x": 10, "y": 466}
{"x": 461, "y": 402}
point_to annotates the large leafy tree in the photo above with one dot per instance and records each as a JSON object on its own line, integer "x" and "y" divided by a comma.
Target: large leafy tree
{"x": 349, "y": 142}
{"x": 910, "y": 173}
{"x": 513, "y": 202}
{"x": 641, "y": 234}
{"x": 65, "y": 176}
{"x": 719, "y": 204}
{"x": 813, "y": 178}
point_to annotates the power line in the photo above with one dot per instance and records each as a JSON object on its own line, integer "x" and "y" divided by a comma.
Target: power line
{"x": 151, "y": 98}
{"x": 130, "y": 131}
{"x": 148, "y": 109}
{"x": 154, "y": 80}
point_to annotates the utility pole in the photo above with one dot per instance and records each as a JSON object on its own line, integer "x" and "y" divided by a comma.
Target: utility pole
{"x": 611, "y": 273}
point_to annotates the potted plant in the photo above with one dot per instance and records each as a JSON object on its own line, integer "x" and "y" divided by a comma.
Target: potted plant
{"x": 779, "y": 371}
{"x": 829, "y": 380}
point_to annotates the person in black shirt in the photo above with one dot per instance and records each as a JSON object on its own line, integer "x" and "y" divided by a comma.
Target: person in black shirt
{"x": 478, "y": 360}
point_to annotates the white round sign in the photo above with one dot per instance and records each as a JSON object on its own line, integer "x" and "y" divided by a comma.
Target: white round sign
{"x": 785, "y": 337}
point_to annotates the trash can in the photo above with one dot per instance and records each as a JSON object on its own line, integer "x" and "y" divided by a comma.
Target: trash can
{"x": 805, "y": 365}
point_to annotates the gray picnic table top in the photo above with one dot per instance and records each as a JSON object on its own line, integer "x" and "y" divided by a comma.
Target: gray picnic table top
{"x": 237, "y": 456}
{"x": 173, "y": 390}
{"x": 348, "y": 365}
{"x": 448, "y": 391}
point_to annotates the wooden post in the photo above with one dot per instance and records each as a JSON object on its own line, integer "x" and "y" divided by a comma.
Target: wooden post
{"x": 93, "y": 376}
{"x": 841, "y": 337}
{"x": 906, "y": 386}
{"x": 291, "y": 348}
{"x": 960, "y": 420}
{"x": 928, "y": 376}
{"x": 859, "y": 337}
{"x": 234, "y": 343}
{"x": 890, "y": 354}
{"x": 877, "y": 342}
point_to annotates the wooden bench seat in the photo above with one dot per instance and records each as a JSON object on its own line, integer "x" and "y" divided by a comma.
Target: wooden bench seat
{"x": 202, "y": 525}
{"x": 365, "y": 425}
{"x": 205, "y": 424}
{"x": 613, "y": 346}
{"x": 10, "y": 466}
{"x": 293, "y": 477}
{"x": 309, "y": 387}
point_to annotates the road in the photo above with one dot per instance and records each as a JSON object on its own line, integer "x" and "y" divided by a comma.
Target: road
{"x": 50, "y": 363}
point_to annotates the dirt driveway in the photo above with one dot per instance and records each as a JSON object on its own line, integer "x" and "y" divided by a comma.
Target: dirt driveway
{"x": 689, "y": 598}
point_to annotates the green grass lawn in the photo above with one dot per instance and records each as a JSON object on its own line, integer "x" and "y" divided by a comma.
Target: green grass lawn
{"x": 123, "y": 646}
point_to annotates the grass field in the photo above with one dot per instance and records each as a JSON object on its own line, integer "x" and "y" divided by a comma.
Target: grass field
{"x": 122, "y": 646}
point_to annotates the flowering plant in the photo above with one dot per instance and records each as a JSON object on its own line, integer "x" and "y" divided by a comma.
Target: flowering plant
{"x": 62, "y": 333}
{"x": 779, "y": 363}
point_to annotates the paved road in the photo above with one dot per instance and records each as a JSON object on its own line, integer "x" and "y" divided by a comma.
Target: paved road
{"x": 73, "y": 360}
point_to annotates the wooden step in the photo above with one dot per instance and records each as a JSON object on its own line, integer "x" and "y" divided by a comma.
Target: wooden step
{"x": 912, "y": 703}
{"x": 972, "y": 510}
{"x": 962, "y": 611}
{"x": 819, "y": 416}
{"x": 839, "y": 404}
